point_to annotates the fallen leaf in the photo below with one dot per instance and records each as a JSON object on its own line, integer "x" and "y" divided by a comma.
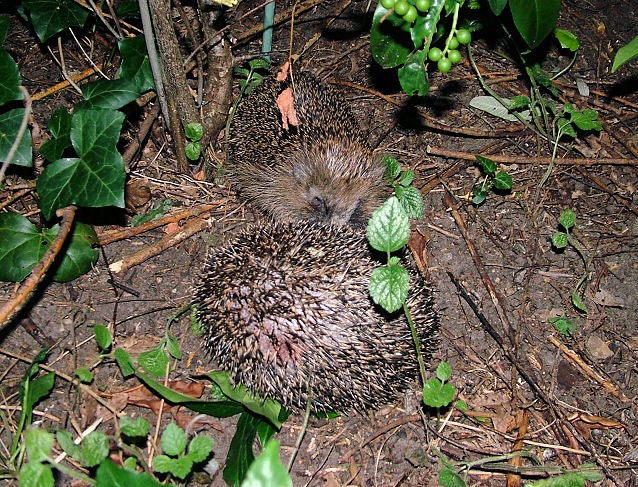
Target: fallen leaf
{"x": 598, "y": 348}
{"x": 605, "y": 298}
{"x": 282, "y": 74}
{"x": 171, "y": 228}
{"x": 285, "y": 103}
{"x": 199, "y": 176}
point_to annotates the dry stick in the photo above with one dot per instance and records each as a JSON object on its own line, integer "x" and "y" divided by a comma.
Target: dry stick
{"x": 531, "y": 381}
{"x": 168, "y": 241}
{"x": 110, "y": 237}
{"x": 607, "y": 189}
{"x": 433, "y": 124}
{"x": 514, "y": 479}
{"x": 587, "y": 370}
{"x": 439, "y": 151}
{"x": 15, "y": 304}
{"x": 145, "y": 127}
{"x": 63, "y": 84}
{"x": 481, "y": 269}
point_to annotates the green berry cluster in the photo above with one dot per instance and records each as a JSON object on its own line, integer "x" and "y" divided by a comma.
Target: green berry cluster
{"x": 444, "y": 59}
{"x": 407, "y": 9}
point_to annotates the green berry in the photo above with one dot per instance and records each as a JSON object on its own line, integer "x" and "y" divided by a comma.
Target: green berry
{"x": 464, "y": 36}
{"x": 444, "y": 65}
{"x": 454, "y": 56}
{"x": 401, "y": 7}
{"x": 454, "y": 43}
{"x": 410, "y": 15}
{"x": 434, "y": 54}
{"x": 422, "y": 5}
{"x": 387, "y": 4}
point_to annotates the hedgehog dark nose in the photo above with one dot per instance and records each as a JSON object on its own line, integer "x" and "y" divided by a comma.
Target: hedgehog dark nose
{"x": 321, "y": 207}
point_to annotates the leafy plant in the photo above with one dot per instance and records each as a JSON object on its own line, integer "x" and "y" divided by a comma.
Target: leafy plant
{"x": 410, "y": 197}
{"x": 560, "y": 240}
{"x": 175, "y": 460}
{"x": 499, "y": 180}
{"x": 437, "y": 392}
{"x": 625, "y": 54}
{"x": 194, "y": 133}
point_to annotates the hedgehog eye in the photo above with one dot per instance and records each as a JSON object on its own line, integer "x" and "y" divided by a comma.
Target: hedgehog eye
{"x": 319, "y": 205}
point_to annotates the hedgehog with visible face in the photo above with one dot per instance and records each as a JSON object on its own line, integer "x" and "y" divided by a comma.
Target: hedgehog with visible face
{"x": 320, "y": 170}
{"x": 287, "y": 313}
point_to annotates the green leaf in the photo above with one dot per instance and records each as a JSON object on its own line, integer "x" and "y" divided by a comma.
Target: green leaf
{"x": 172, "y": 347}
{"x": 567, "y": 219}
{"x": 389, "y": 287}
{"x": 267, "y": 408}
{"x": 102, "y": 337}
{"x": 491, "y": 105}
{"x": 159, "y": 211}
{"x": 193, "y": 150}
{"x": 479, "y": 196}
{"x": 10, "y": 80}
{"x": 267, "y": 469}
{"x": 173, "y": 440}
{"x": 162, "y": 463}
{"x": 559, "y": 240}
{"x": 567, "y": 40}
{"x": 461, "y": 405}
{"x": 562, "y": 324}
{"x": 413, "y": 76}
{"x": 109, "y": 475}
{"x": 124, "y": 362}
{"x": 577, "y": 301}
{"x": 135, "y": 66}
{"x": 95, "y": 449}
{"x": 503, "y": 181}
{"x": 134, "y": 428}
{"x": 199, "y": 448}
{"x": 497, "y": 6}
{"x": 240, "y": 452}
{"x": 38, "y": 444}
{"x": 181, "y": 467}
{"x": 389, "y": 228}
{"x": 52, "y": 16}
{"x": 488, "y": 165}
{"x": 4, "y": 27}
{"x": 389, "y": 44}
{"x": 107, "y": 94}
{"x": 586, "y": 120}
{"x": 259, "y": 63}
{"x": 565, "y": 480}
{"x": 60, "y": 126}
{"x": 447, "y": 478}
{"x": 40, "y": 388}
{"x": 565, "y": 127}
{"x": 534, "y": 19}
{"x": 412, "y": 203}
{"x": 407, "y": 177}
{"x": 9, "y": 127}
{"x": 97, "y": 177}
{"x": 130, "y": 463}
{"x": 519, "y": 101}
{"x": 443, "y": 371}
{"x": 625, "y": 54}
{"x": 65, "y": 440}
{"x": 436, "y": 394}
{"x": 84, "y": 375}
{"x": 194, "y": 131}
{"x": 21, "y": 247}
{"x": 80, "y": 254}
{"x": 265, "y": 431}
{"x": 154, "y": 362}
{"x": 36, "y": 475}
{"x": 128, "y": 9}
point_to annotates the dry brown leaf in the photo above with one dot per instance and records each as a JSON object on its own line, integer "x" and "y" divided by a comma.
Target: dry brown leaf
{"x": 199, "y": 176}
{"x": 282, "y": 74}
{"x": 285, "y": 103}
{"x": 171, "y": 228}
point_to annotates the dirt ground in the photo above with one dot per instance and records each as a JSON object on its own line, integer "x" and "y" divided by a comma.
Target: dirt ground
{"x": 571, "y": 399}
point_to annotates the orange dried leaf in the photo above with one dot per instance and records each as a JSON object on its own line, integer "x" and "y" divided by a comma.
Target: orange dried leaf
{"x": 286, "y": 105}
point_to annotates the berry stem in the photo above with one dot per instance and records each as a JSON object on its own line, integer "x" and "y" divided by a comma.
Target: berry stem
{"x": 455, "y": 19}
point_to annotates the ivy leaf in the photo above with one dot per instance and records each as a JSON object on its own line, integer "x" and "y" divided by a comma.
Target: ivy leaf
{"x": 135, "y": 65}
{"x": 10, "y": 81}
{"x": 9, "y": 127}
{"x": 107, "y": 94}
{"x": 60, "y": 126}
{"x": 488, "y": 165}
{"x": 503, "y": 181}
{"x": 413, "y": 76}
{"x": 52, "y": 16}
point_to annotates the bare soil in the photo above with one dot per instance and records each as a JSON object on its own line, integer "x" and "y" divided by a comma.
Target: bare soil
{"x": 570, "y": 399}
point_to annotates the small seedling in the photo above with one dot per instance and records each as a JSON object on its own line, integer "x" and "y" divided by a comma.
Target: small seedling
{"x": 492, "y": 179}
{"x": 437, "y": 392}
{"x": 176, "y": 461}
{"x": 409, "y": 196}
{"x": 194, "y": 133}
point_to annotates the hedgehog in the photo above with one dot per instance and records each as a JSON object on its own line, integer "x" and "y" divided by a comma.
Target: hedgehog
{"x": 320, "y": 170}
{"x": 287, "y": 313}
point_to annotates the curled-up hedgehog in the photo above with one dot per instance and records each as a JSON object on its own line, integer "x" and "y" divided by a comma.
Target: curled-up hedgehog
{"x": 322, "y": 169}
{"x": 287, "y": 313}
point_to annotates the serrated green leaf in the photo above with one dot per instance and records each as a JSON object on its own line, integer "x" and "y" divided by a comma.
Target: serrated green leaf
{"x": 413, "y": 76}
{"x": 109, "y": 475}
{"x": 193, "y": 150}
{"x": 389, "y": 44}
{"x": 52, "y": 16}
{"x": 443, "y": 371}
{"x": 124, "y": 362}
{"x": 35, "y": 474}
{"x": 534, "y": 19}
{"x": 194, "y": 131}
{"x": 102, "y": 337}
{"x": 162, "y": 463}
{"x": 242, "y": 72}
{"x": 559, "y": 240}
{"x": 172, "y": 347}
{"x": 389, "y": 287}
{"x": 9, "y": 127}
{"x": 567, "y": 40}
{"x": 65, "y": 440}
{"x": 38, "y": 444}
{"x": 130, "y": 463}
{"x": 135, "y": 66}
{"x": 97, "y": 177}
{"x": 393, "y": 260}
{"x": 586, "y": 120}
{"x": 95, "y": 449}
{"x": 181, "y": 467}
{"x": 437, "y": 394}
{"x": 447, "y": 478}
{"x": 578, "y": 303}
{"x": 562, "y": 324}
{"x": 259, "y": 63}
{"x": 173, "y": 440}
{"x": 565, "y": 127}
{"x": 412, "y": 202}
{"x": 503, "y": 181}
{"x": 267, "y": 469}
{"x": 84, "y": 375}
{"x": 10, "y": 80}
{"x": 567, "y": 219}
{"x": 487, "y": 165}
{"x": 134, "y": 428}
{"x": 625, "y": 54}
{"x": 389, "y": 228}
{"x": 407, "y": 177}
{"x": 199, "y": 448}
{"x": 154, "y": 362}
{"x": 392, "y": 166}
{"x": 518, "y": 102}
